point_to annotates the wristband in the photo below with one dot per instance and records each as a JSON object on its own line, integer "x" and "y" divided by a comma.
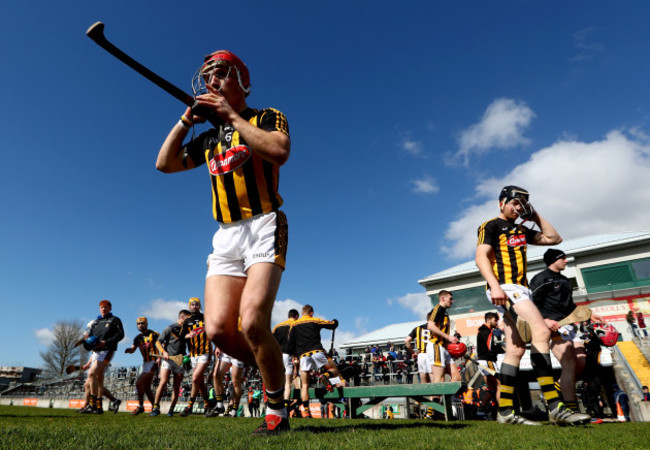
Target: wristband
{"x": 185, "y": 122}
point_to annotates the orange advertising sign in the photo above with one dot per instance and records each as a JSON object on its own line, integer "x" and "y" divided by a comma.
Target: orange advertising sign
{"x": 132, "y": 404}
{"x": 76, "y": 403}
{"x": 30, "y": 401}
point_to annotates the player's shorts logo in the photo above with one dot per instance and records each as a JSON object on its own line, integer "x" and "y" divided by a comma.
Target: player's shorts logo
{"x": 517, "y": 241}
{"x": 230, "y": 160}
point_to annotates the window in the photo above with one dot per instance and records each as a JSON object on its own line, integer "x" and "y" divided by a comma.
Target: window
{"x": 621, "y": 275}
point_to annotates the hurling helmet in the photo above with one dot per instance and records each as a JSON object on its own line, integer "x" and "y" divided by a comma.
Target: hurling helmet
{"x": 607, "y": 334}
{"x": 457, "y": 350}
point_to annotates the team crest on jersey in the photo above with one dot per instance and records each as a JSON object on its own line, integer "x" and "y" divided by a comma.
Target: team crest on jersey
{"x": 518, "y": 240}
{"x": 230, "y": 160}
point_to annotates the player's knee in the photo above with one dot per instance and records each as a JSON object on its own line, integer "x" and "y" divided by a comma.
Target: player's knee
{"x": 252, "y": 328}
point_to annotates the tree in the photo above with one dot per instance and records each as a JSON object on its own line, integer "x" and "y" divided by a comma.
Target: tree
{"x": 62, "y": 351}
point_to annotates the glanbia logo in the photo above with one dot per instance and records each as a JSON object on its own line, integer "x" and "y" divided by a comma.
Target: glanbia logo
{"x": 517, "y": 241}
{"x": 229, "y": 161}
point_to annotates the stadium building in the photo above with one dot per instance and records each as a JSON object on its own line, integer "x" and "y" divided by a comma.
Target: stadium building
{"x": 610, "y": 273}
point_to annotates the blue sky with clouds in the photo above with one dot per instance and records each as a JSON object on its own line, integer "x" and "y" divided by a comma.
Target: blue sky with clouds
{"x": 405, "y": 118}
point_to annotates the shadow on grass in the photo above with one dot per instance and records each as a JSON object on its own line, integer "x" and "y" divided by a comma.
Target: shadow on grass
{"x": 316, "y": 429}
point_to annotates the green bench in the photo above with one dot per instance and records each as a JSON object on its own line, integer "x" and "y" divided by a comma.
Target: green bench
{"x": 374, "y": 395}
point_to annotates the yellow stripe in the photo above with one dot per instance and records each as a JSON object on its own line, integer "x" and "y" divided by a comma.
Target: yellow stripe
{"x": 507, "y": 389}
{"x": 545, "y": 381}
{"x": 550, "y": 395}
{"x": 505, "y": 402}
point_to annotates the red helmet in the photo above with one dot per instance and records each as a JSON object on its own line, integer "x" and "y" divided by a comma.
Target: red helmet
{"x": 607, "y": 334}
{"x": 457, "y": 350}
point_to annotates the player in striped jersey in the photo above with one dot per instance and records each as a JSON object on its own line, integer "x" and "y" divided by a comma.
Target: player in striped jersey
{"x": 281, "y": 334}
{"x": 438, "y": 325}
{"x": 501, "y": 259}
{"x": 200, "y": 350}
{"x": 420, "y": 336}
{"x": 146, "y": 342}
{"x": 488, "y": 346}
{"x": 243, "y": 154}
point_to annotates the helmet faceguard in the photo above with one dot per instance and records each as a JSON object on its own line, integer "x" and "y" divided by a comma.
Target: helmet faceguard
{"x": 214, "y": 65}
{"x": 521, "y": 197}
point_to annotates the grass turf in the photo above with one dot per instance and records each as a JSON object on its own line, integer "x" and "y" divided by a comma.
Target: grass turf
{"x": 30, "y": 427}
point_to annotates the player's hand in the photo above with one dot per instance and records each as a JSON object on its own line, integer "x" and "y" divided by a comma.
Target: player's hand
{"x": 129, "y": 350}
{"x": 453, "y": 340}
{"x": 215, "y": 101}
{"x": 165, "y": 355}
{"x": 336, "y": 323}
{"x": 498, "y": 296}
{"x": 596, "y": 318}
{"x": 552, "y": 324}
{"x": 193, "y": 115}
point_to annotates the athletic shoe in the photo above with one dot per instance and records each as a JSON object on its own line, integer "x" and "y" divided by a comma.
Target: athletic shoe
{"x": 85, "y": 410}
{"x": 138, "y": 410}
{"x": 170, "y": 413}
{"x": 214, "y": 412}
{"x": 272, "y": 425}
{"x": 186, "y": 412}
{"x": 115, "y": 407}
{"x": 514, "y": 419}
{"x": 154, "y": 412}
{"x": 565, "y": 416}
{"x": 97, "y": 411}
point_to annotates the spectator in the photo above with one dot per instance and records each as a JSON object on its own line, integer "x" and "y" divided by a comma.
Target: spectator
{"x": 641, "y": 324}
{"x": 646, "y": 394}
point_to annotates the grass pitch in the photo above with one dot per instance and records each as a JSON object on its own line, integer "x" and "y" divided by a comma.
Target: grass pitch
{"x": 29, "y": 427}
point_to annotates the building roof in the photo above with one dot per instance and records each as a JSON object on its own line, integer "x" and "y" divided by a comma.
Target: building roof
{"x": 396, "y": 333}
{"x": 536, "y": 253}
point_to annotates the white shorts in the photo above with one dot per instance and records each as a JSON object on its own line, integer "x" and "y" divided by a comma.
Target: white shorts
{"x": 438, "y": 356}
{"x": 288, "y": 364}
{"x": 239, "y": 245}
{"x": 515, "y": 293}
{"x": 200, "y": 359}
{"x": 496, "y": 365}
{"x": 313, "y": 362}
{"x": 148, "y": 366}
{"x": 423, "y": 363}
{"x": 102, "y": 356}
{"x": 168, "y": 364}
{"x": 226, "y": 359}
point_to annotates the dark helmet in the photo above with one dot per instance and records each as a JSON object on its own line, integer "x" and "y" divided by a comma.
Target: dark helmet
{"x": 510, "y": 192}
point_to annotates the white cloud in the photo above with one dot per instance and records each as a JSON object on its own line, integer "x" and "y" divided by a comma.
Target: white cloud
{"x": 412, "y": 147}
{"x": 164, "y": 309}
{"x": 425, "y": 185}
{"x": 586, "y": 48}
{"x": 418, "y": 303}
{"x": 582, "y": 188}
{"x": 501, "y": 126}
{"x": 45, "y": 336}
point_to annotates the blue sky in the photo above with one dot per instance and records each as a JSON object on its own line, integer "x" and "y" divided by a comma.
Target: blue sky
{"x": 406, "y": 119}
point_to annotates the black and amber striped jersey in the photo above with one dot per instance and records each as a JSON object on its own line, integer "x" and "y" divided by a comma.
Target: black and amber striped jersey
{"x": 509, "y": 243}
{"x": 420, "y": 336}
{"x": 281, "y": 334}
{"x": 243, "y": 183}
{"x": 146, "y": 342}
{"x": 440, "y": 318}
{"x": 304, "y": 335}
{"x": 199, "y": 344}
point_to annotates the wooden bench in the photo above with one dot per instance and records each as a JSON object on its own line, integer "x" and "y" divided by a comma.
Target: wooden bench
{"x": 377, "y": 394}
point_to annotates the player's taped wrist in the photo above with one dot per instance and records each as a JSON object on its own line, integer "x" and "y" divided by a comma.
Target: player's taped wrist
{"x": 185, "y": 122}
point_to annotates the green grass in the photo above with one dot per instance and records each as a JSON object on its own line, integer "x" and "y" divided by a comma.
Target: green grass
{"x": 29, "y": 427}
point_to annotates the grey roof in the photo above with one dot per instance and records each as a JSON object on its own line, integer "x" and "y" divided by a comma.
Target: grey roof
{"x": 536, "y": 253}
{"x": 396, "y": 333}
